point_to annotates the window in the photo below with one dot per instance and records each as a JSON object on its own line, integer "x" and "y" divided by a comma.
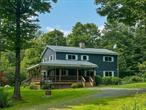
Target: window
{"x": 64, "y": 72}
{"x": 84, "y": 57}
{"x": 108, "y": 73}
{"x": 71, "y": 57}
{"x": 51, "y": 57}
{"x": 108, "y": 59}
{"x": 45, "y": 60}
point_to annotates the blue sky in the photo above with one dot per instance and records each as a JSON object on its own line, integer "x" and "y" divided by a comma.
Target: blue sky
{"x": 65, "y": 13}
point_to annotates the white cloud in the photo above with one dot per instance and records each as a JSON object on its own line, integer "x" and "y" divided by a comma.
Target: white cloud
{"x": 101, "y": 28}
{"x": 66, "y": 32}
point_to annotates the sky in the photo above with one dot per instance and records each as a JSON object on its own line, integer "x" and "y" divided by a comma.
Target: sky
{"x": 66, "y": 13}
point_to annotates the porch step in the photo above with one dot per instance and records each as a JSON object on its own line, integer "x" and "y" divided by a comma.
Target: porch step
{"x": 88, "y": 84}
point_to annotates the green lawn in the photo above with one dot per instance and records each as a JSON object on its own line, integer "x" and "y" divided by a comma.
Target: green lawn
{"x": 132, "y": 85}
{"x": 78, "y": 99}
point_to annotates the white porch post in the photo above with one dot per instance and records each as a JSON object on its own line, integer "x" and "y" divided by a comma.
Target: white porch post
{"x": 44, "y": 73}
{"x": 60, "y": 71}
{"x": 94, "y": 74}
{"x": 77, "y": 74}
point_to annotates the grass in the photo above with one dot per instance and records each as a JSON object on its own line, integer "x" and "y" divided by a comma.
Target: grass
{"x": 78, "y": 99}
{"x": 132, "y": 85}
{"x": 37, "y": 98}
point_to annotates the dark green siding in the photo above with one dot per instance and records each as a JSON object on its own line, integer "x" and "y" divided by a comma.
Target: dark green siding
{"x": 96, "y": 59}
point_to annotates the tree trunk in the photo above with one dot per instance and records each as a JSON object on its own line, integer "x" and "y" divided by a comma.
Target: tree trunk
{"x": 17, "y": 94}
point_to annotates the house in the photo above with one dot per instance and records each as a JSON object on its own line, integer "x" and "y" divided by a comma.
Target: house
{"x": 64, "y": 65}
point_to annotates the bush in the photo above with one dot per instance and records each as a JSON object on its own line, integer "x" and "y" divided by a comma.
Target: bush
{"x": 98, "y": 80}
{"x": 126, "y": 80}
{"x": 10, "y": 78}
{"x": 116, "y": 80}
{"x": 107, "y": 80}
{"x": 76, "y": 85}
{"x": 111, "y": 80}
{"x": 34, "y": 87}
{"x": 136, "y": 79}
{"x": 4, "y": 101}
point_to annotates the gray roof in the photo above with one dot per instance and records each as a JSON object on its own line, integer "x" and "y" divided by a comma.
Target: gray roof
{"x": 65, "y": 63}
{"x": 81, "y": 50}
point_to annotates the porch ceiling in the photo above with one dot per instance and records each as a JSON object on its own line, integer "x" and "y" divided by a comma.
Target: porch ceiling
{"x": 66, "y": 63}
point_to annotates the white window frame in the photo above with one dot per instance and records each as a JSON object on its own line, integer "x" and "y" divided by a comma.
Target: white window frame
{"x": 87, "y": 57}
{"x": 45, "y": 60}
{"x": 104, "y": 73}
{"x": 76, "y": 57}
{"x": 112, "y": 58}
{"x": 50, "y": 58}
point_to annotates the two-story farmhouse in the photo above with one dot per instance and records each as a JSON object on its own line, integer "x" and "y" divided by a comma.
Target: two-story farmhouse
{"x": 65, "y": 65}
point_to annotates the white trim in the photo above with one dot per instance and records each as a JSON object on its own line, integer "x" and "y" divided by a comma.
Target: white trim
{"x": 104, "y": 73}
{"x": 76, "y": 57}
{"x": 66, "y": 56}
{"x": 112, "y": 58}
{"x": 87, "y": 57}
{"x": 50, "y": 57}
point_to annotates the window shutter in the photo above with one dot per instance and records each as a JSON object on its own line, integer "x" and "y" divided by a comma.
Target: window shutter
{"x": 87, "y": 57}
{"x": 76, "y": 57}
{"x": 104, "y": 58}
{"x": 66, "y": 57}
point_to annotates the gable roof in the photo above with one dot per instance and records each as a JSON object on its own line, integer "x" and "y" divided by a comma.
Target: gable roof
{"x": 81, "y": 50}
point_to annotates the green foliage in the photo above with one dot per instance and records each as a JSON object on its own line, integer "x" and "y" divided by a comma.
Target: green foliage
{"x": 55, "y": 37}
{"x": 135, "y": 79}
{"x": 132, "y": 79}
{"x": 98, "y": 80}
{"x": 128, "y": 11}
{"x": 4, "y": 101}
{"x": 111, "y": 80}
{"x": 76, "y": 85}
{"x": 88, "y": 33}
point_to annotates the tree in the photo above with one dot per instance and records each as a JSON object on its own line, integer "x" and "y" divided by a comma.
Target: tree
{"x": 18, "y": 26}
{"x": 127, "y": 11}
{"x": 88, "y": 33}
{"x": 55, "y": 37}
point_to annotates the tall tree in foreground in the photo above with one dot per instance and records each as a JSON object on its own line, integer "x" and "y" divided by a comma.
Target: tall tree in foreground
{"x": 127, "y": 11}
{"x": 18, "y": 26}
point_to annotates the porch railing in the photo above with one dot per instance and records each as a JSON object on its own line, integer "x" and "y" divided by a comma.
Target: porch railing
{"x": 62, "y": 78}
{"x": 91, "y": 81}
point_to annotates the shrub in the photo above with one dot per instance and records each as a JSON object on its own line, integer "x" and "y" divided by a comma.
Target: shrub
{"x": 10, "y": 78}
{"x": 107, "y": 80}
{"x": 111, "y": 80}
{"x": 4, "y": 101}
{"x": 98, "y": 80}
{"x": 136, "y": 79}
{"x": 116, "y": 80}
{"x": 126, "y": 80}
{"x": 34, "y": 87}
{"x": 76, "y": 85}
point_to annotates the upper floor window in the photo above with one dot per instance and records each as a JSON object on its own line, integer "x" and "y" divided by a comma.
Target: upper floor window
{"x": 108, "y": 73}
{"x": 108, "y": 59}
{"x": 84, "y": 57}
{"x": 71, "y": 57}
{"x": 45, "y": 60}
{"x": 51, "y": 57}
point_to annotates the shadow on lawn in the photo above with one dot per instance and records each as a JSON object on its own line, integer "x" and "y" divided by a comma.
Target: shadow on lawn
{"x": 101, "y": 98}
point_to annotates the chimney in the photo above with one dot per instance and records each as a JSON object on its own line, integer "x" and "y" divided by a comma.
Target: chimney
{"x": 82, "y": 44}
